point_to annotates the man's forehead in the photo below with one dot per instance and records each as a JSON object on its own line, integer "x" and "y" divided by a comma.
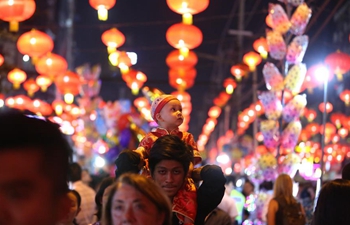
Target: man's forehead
{"x": 169, "y": 164}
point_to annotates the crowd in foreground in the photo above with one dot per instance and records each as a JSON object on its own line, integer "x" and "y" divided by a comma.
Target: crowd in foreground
{"x": 36, "y": 167}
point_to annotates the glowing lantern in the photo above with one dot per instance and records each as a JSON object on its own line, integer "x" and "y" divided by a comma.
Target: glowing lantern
{"x": 141, "y": 102}
{"x": 15, "y": 11}
{"x": 31, "y": 87}
{"x": 182, "y": 79}
{"x": 124, "y": 62}
{"x": 43, "y": 82}
{"x": 68, "y": 84}
{"x": 1, "y": 60}
{"x": 51, "y": 65}
{"x": 58, "y": 106}
{"x": 214, "y": 112}
{"x": 102, "y": 7}
{"x": 134, "y": 80}
{"x": 20, "y": 102}
{"x": 310, "y": 115}
{"x": 16, "y": 77}
{"x": 345, "y": 97}
{"x": 113, "y": 39}
{"x": 329, "y": 130}
{"x": 260, "y": 45}
{"x": 184, "y": 37}
{"x": 41, "y": 108}
{"x": 252, "y": 59}
{"x": 328, "y": 107}
{"x": 339, "y": 63}
{"x": 229, "y": 85}
{"x": 343, "y": 132}
{"x": 177, "y": 61}
{"x": 222, "y": 99}
{"x": 187, "y": 8}
{"x": 34, "y": 43}
{"x": 337, "y": 118}
{"x": 239, "y": 70}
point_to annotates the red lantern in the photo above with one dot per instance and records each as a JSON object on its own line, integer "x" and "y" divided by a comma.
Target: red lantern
{"x": 252, "y": 59}
{"x": 214, "y": 112}
{"x": 182, "y": 79}
{"x": 51, "y": 65}
{"x": 16, "y": 77}
{"x": 177, "y": 61}
{"x": 345, "y": 97}
{"x": 310, "y": 115}
{"x": 43, "y": 82}
{"x": 68, "y": 84}
{"x": 34, "y": 43}
{"x": 124, "y": 62}
{"x": 15, "y": 11}
{"x": 113, "y": 39}
{"x": 328, "y": 107}
{"x": 339, "y": 63}
{"x": 134, "y": 79}
{"x": 102, "y": 7}
{"x": 184, "y": 37}
{"x": 239, "y": 70}
{"x": 31, "y": 87}
{"x": 40, "y": 107}
{"x": 187, "y": 8}
{"x": 336, "y": 119}
{"x": 183, "y": 96}
{"x": 229, "y": 85}
{"x": 1, "y": 60}
{"x": 260, "y": 45}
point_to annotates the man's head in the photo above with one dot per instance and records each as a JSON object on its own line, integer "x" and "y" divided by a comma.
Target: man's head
{"x": 169, "y": 161}
{"x": 166, "y": 110}
{"x": 34, "y": 160}
{"x": 75, "y": 172}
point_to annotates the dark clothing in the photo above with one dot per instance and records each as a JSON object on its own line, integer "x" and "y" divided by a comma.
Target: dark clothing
{"x": 218, "y": 217}
{"x": 279, "y": 213}
{"x": 209, "y": 193}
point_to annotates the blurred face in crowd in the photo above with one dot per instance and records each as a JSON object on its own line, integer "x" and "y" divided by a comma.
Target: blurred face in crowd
{"x": 27, "y": 194}
{"x": 74, "y": 209}
{"x": 170, "y": 176}
{"x": 129, "y": 206}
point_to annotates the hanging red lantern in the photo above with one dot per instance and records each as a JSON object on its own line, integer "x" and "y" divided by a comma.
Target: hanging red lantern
{"x": 214, "y": 112}
{"x": 229, "y": 85}
{"x": 345, "y": 97}
{"x": 15, "y": 11}
{"x": 40, "y": 107}
{"x": 260, "y": 45}
{"x": 124, "y": 62}
{"x": 31, "y": 87}
{"x": 1, "y": 60}
{"x": 252, "y": 59}
{"x": 328, "y": 106}
{"x": 16, "y": 77}
{"x": 310, "y": 115}
{"x": 102, "y": 7}
{"x": 184, "y": 37}
{"x": 34, "y": 43}
{"x": 113, "y": 39}
{"x": 343, "y": 132}
{"x": 68, "y": 84}
{"x": 43, "y": 82}
{"x": 183, "y": 96}
{"x": 187, "y": 8}
{"x": 177, "y": 61}
{"x": 51, "y": 65}
{"x": 336, "y": 119}
{"x": 182, "y": 79}
{"x": 134, "y": 79}
{"x": 239, "y": 71}
{"x": 339, "y": 63}
{"x": 58, "y": 106}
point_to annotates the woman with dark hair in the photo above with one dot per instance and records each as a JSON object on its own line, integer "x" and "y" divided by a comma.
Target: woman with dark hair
{"x": 100, "y": 196}
{"x": 136, "y": 199}
{"x": 75, "y": 199}
{"x": 333, "y": 204}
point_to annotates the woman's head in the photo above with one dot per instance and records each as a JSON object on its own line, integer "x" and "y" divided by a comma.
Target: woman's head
{"x": 74, "y": 207}
{"x": 100, "y": 193}
{"x": 333, "y": 203}
{"x": 136, "y": 199}
{"x": 283, "y": 186}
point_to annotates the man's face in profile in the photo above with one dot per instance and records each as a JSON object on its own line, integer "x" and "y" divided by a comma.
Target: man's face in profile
{"x": 27, "y": 194}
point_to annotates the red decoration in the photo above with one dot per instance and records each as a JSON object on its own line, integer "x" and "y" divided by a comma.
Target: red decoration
{"x": 15, "y": 11}
{"x": 260, "y": 45}
{"x": 345, "y": 97}
{"x": 184, "y": 37}
{"x": 43, "y": 82}
{"x": 182, "y": 79}
{"x": 339, "y": 63}
{"x": 51, "y": 65}
{"x": 252, "y": 59}
{"x": 31, "y": 87}
{"x": 102, "y": 7}
{"x": 329, "y": 107}
{"x": 177, "y": 61}
{"x": 16, "y": 77}
{"x": 1, "y": 60}
{"x": 239, "y": 70}
{"x": 113, "y": 39}
{"x": 34, "y": 43}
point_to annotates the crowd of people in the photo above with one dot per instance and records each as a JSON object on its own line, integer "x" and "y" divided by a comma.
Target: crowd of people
{"x": 163, "y": 185}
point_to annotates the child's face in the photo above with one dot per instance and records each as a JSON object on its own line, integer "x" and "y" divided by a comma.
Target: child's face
{"x": 170, "y": 117}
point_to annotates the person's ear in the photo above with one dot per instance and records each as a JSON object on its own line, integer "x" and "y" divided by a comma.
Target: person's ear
{"x": 79, "y": 209}
{"x": 158, "y": 116}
